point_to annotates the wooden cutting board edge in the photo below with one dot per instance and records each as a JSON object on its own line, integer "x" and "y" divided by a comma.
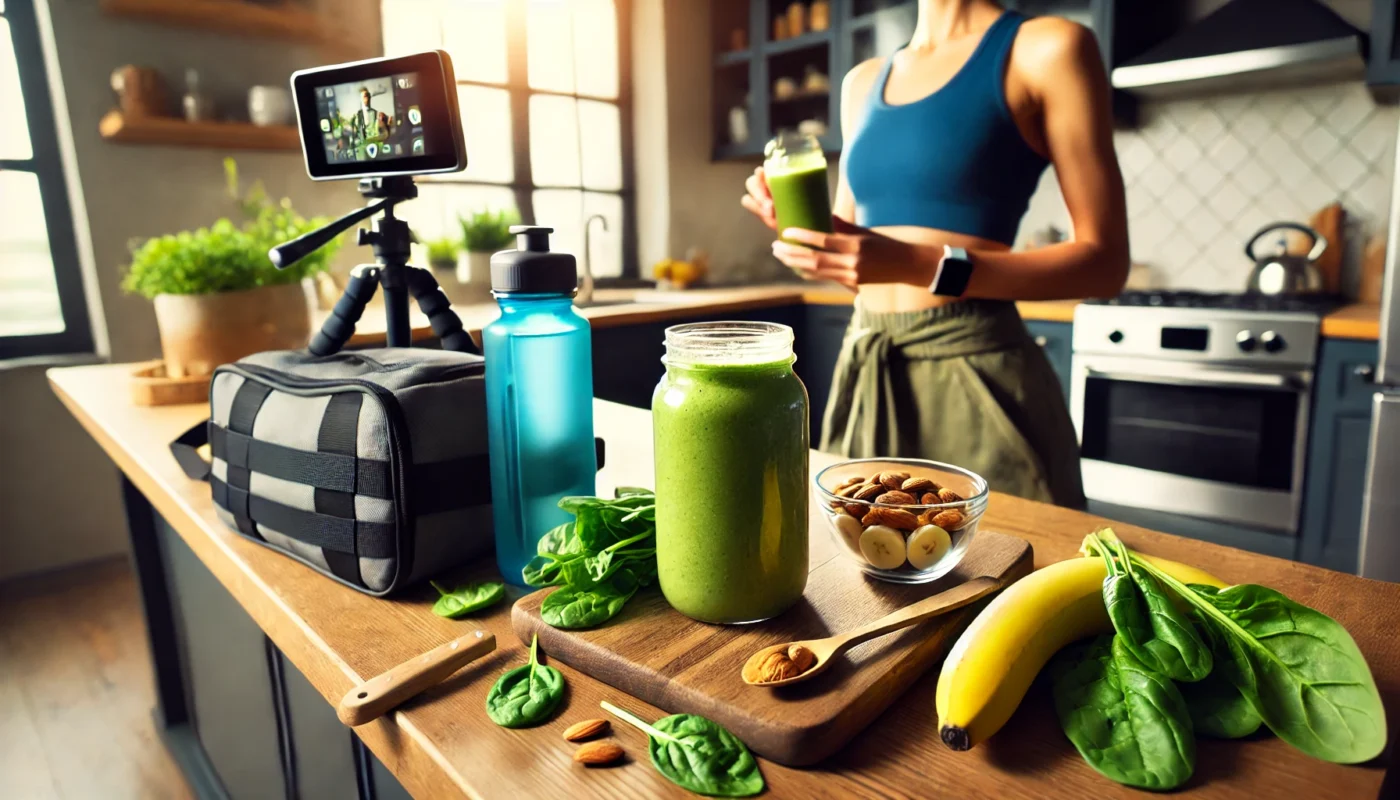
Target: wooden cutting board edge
{"x": 800, "y": 746}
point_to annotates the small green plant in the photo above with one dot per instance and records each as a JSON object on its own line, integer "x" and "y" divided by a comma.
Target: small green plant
{"x": 225, "y": 257}
{"x": 488, "y": 231}
{"x": 443, "y": 251}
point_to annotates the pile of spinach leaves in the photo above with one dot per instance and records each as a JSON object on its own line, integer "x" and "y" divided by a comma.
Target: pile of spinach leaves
{"x": 600, "y": 559}
{"x": 1244, "y": 656}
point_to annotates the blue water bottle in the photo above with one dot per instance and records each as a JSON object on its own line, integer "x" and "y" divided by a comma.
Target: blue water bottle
{"x": 539, "y": 396}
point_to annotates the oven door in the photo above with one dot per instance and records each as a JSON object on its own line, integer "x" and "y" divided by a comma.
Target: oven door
{"x": 1207, "y": 441}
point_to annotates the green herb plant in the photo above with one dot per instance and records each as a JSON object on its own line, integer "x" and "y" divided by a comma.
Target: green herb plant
{"x": 601, "y": 559}
{"x": 465, "y": 599}
{"x": 226, "y": 257}
{"x": 487, "y": 231}
{"x": 1129, "y": 721}
{"x": 527, "y": 695}
{"x": 443, "y": 251}
{"x": 698, "y": 754}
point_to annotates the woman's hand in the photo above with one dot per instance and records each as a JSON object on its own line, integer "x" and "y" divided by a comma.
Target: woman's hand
{"x": 759, "y": 200}
{"x": 851, "y": 259}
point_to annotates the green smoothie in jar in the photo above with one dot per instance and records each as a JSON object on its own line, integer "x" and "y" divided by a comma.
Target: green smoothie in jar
{"x": 731, "y": 438}
{"x": 796, "y": 171}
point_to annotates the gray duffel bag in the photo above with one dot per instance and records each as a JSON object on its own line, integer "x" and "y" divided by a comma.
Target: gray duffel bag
{"x": 369, "y": 466}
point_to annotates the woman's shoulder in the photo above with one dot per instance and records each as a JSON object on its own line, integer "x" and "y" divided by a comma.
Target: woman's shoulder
{"x": 860, "y": 78}
{"x": 1045, "y": 44}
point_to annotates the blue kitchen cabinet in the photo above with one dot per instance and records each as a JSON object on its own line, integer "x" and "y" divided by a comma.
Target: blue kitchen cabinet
{"x": 1338, "y": 442}
{"x": 1056, "y": 340}
{"x": 818, "y": 345}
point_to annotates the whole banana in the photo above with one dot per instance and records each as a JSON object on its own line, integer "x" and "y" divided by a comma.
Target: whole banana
{"x": 994, "y": 661}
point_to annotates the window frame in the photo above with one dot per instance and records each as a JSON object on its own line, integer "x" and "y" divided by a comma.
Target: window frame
{"x": 46, "y": 163}
{"x": 517, "y": 87}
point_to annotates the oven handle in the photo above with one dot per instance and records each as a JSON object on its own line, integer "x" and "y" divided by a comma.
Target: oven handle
{"x": 1214, "y": 378}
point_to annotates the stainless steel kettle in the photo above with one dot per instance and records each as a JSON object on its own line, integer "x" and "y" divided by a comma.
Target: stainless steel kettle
{"x": 1283, "y": 272}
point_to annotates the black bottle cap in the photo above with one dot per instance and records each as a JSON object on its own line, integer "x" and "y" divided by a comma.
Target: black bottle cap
{"x": 531, "y": 268}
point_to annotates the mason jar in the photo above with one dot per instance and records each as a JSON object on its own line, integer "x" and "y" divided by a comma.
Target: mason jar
{"x": 731, "y": 438}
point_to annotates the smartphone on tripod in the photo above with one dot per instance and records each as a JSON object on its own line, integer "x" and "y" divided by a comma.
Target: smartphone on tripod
{"x": 381, "y": 121}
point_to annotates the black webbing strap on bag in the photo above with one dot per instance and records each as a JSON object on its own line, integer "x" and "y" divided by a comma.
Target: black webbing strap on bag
{"x": 340, "y": 429}
{"x": 369, "y": 539}
{"x": 335, "y": 470}
{"x": 241, "y": 416}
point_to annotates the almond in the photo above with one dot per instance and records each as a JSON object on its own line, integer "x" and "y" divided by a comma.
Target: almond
{"x": 949, "y": 519}
{"x": 926, "y": 518}
{"x": 917, "y": 486}
{"x": 852, "y": 481}
{"x": 587, "y": 729}
{"x": 598, "y": 754}
{"x": 896, "y": 518}
{"x": 868, "y": 491}
{"x": 929, "y": 499}
{"x": 776, "y": 666}
{"x": 892, "y": 480}
{"x": 896, "y": 498}
{"x": 801, "y": 657}
{"x": 949, "y": 496}
{"x": 856, "y": 510}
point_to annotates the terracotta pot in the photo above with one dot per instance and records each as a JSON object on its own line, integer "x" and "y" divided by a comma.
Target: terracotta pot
{"x": 198, "y": 332}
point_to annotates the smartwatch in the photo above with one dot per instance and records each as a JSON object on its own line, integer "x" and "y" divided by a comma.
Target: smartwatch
{"x": 954, "y": 272}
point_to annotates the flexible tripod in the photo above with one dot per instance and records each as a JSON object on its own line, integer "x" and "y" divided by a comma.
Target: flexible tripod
{"x": 390, "y": 241}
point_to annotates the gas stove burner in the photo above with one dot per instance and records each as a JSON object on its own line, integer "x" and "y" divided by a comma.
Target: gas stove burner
{"x": 1308, "y": 304}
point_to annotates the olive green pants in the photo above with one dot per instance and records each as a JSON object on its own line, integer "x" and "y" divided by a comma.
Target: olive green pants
{"x": 964, "y": 384}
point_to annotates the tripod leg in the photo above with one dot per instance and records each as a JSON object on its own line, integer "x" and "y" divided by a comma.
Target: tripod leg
{"x": 340, "y": 325}
{"x": 438, "y": 310}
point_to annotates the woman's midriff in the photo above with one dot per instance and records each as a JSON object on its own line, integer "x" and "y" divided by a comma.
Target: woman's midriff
{"x": 883, "y": 298}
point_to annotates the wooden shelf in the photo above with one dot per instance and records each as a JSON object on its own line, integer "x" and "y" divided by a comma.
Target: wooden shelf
{"x": 802, "y": 97}
{"x": 806, "y": 40}
{"x": 176, "y": 132}
{"x": 276, "y": 21}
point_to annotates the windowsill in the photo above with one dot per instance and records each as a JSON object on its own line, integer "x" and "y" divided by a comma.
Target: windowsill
{"x": 56, "y": 360}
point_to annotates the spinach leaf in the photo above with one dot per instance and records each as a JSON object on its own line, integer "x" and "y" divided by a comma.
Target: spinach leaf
{"x": 1218, "y": 710}
{"x": 1299, "y": 669}
{"x": 1151, "y": 626}
{"x": 466, "y": 599}
{"x": 698, "y": 754}
{"x": 574, "y": 608}
{"x": 526, "y": 695}
{"x": 1129, "y": 722}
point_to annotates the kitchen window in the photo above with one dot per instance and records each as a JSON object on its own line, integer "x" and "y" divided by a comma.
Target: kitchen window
{"x": 544, "y": 92}
{"x": 42, "y": 306}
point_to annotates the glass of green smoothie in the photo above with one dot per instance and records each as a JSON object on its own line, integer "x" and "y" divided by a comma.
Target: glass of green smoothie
{"x": 730, "y": 422}
{"x": 796, "y": 171}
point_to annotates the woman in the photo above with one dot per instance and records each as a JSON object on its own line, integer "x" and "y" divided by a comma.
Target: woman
{"x": 945, "y": 142}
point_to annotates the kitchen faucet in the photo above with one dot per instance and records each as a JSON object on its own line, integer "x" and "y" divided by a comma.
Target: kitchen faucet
{"x": 585, "y": 287}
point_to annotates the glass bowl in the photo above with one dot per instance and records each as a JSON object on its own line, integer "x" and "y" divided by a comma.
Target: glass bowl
{"x": 862, "y": 528}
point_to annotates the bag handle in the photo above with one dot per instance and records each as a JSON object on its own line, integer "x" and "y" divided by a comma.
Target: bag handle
{"x": 185, "y": 448}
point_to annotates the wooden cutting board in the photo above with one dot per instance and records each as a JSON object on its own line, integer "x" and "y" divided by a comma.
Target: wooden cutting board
{"x": 652, "y": 652}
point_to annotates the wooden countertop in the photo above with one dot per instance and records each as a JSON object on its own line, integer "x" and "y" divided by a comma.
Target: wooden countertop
{"x": 443, "y": 745}
{"x": 657, "y": 306}
{"x": 1354, "y": 321}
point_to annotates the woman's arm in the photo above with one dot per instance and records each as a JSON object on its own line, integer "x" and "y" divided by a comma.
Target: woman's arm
{"x": 1070, "y": 82}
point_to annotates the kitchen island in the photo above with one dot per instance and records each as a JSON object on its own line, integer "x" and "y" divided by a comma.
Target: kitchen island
{"x": 443, "y": 745}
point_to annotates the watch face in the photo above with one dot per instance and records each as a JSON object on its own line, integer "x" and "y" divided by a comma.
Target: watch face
{"x": 954, "y": 272}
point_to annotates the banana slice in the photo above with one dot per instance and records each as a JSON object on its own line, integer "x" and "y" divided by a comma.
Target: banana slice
{"x": 882, "y": 546}
{"x": 927, "y": 545}
{"x": 850, "y": 529}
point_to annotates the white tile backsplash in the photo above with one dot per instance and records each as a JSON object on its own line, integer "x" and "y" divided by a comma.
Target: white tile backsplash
{"x": 1203, "y": 174}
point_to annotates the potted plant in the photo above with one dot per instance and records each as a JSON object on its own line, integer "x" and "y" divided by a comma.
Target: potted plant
{"x": 483, "y": 233}
{"x": 442, "y": 255}
{"x": 217, "y": 296}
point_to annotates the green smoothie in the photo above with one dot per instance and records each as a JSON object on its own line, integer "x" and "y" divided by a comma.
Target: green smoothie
{"x": 800, "y": 199}
{"x": 796, "y": 171}
{"x": 731, "y": 485}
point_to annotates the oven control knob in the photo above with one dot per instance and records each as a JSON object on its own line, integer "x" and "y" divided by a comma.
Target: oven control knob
{"x": 1245, "y": 340}
{"x": 1272, "y": 341}
{"x": 1115, "y": 337}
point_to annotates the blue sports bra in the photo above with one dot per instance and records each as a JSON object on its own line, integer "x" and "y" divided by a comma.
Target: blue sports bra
{"x": 954, "y": 160}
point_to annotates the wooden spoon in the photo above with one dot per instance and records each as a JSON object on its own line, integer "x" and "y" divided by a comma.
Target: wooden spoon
{"x": 375, "y": 697}
{"x": 826, "y": 650}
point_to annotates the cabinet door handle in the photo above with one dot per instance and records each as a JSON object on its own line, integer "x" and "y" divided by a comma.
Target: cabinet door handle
{"x": 1042, "y": 341}
{"x": 1365, "y": 372}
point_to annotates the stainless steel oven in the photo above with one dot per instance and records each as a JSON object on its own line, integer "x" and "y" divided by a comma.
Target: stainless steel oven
{"x": 1188, "y": 411}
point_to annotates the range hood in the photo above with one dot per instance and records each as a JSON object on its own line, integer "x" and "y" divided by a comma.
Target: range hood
{"x": 1249, "y": 44}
